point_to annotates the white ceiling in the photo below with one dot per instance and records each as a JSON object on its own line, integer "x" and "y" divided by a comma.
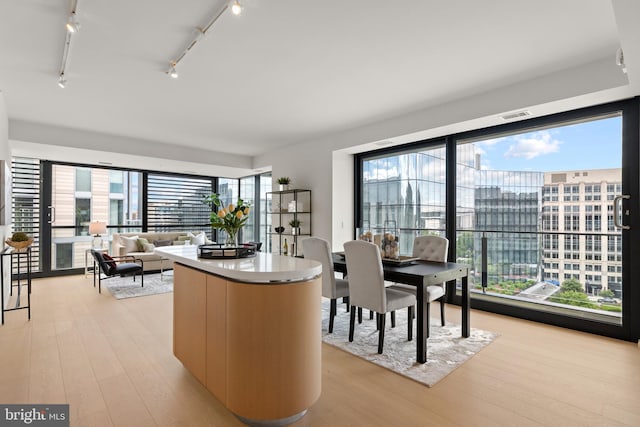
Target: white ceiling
{"x": 286, "y": 71}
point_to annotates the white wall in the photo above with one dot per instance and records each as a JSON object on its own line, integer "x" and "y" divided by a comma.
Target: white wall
{"x": 5, "y": 154}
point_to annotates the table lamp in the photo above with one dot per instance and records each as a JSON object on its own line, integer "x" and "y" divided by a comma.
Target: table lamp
{"x": 97, "y": 228}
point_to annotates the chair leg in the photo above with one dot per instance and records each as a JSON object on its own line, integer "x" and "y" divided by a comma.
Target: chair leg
{"x": 393, "y": 319}
{"x": 359, "y": 314}
{"x": 410, "y": 323}
{"x": 332, "y": 313}
{"x": 442, "y": 310}
{"x": 370, "y": 315}
{"x": 352, "y": 323}
{"x": 345, "y": 300}
{"x": 383, "y": 317}
{"x": 428, "y": 318}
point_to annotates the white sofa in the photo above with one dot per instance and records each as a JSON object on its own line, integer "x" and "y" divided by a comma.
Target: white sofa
{"x": 129, "y": 244}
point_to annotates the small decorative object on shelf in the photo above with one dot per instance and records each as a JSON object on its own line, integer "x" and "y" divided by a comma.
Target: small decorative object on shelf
{"x": 19, "y": 240}
{"x": 279, "y": 230}
{"x": 230, "y": 218}
{"x": 284, "y": 182}
{"x": 285, "y": 247}
{"x": 295, "y": 226}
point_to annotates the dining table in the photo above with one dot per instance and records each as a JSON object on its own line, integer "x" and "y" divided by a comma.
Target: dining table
{"x": 421, "y": 274}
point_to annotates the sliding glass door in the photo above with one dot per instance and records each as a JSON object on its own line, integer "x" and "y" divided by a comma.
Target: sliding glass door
{"x": 545, "y": 211}
{"x": 80, "y": 195}
{"x": 540, "y": 217}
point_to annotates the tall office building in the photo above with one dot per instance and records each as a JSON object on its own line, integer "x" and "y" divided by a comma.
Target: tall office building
{"x": 581, "y": 240}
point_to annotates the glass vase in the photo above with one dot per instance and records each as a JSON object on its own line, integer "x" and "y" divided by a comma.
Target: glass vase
{"x": 232, "y": 238}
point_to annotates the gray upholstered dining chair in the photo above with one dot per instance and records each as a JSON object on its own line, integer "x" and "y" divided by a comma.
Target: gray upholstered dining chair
{"x": 429, "y": 248}
{"x": 367, "y": 289}
{"x": 319, "y": 250}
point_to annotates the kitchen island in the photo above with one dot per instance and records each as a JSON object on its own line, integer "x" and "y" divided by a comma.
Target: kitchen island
{"x": 249, "y": 330}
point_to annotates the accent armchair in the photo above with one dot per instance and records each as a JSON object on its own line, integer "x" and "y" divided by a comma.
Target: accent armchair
{"x": 110, "y": 267}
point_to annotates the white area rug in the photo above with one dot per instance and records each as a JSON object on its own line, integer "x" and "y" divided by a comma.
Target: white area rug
{"x": 125, "y": 287}
{"x": 446, "y": 349}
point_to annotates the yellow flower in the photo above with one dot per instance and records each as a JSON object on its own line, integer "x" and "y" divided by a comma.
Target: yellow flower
{"x": 246, "y": 211}
{"x": 231, "y": 208}
{"x": 239, "y": 214}
{"x": 221, "y": 213}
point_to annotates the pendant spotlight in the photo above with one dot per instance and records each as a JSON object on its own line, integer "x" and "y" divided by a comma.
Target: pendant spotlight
{"x": 61, "y": 81}
{"x": 236, "y": 9}
{"x": 172, "y": 71}
{"x": 72, "y": 25}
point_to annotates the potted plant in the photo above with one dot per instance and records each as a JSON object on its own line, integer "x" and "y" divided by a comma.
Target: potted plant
{"x": 19, "y": 240}
{"x": 295, "y": 226}
{"x": 284, "y": 182}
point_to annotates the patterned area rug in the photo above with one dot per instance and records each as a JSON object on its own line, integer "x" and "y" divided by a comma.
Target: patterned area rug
{"x": 125, "y": 287}
{"x": 446, "y": 349}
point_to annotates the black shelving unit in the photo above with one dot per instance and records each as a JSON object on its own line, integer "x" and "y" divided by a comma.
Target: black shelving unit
{"x": 283, "y": 207}
{"x": 22, "y": 274}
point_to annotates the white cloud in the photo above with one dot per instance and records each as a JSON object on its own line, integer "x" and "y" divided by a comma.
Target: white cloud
{"x": 533, "y": 145}
{"x": 489, "y": 142}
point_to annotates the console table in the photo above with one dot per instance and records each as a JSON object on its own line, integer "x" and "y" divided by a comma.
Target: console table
{"x": 25, "y": 256}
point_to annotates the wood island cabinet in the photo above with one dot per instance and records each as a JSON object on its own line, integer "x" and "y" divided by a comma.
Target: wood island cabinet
{"x": 255, "y": 346}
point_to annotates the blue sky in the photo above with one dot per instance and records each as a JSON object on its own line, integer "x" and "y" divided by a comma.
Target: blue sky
{"x": 591, "y": 145}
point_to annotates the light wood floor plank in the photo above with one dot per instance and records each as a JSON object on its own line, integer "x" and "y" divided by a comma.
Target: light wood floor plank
{"x": 112, "y": 362}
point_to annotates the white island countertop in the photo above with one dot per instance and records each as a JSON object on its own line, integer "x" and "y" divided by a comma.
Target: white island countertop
{"x": 263, "y": 268}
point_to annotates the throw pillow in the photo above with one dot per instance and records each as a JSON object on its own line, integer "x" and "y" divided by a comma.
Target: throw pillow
{"x": 184, "y": 238}
{"x": 130, "y": 244}
{"x": 110, "y": 261}
{"x": 179, "y": 242}
{"x": 159, "y": 243}
{"x": 200, "y": 239}
{"x": 141, "y": 242}
{"x": 149, "y": 247}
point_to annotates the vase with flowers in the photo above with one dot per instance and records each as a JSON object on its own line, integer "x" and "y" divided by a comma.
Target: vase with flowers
{"x": 230, "y": 218}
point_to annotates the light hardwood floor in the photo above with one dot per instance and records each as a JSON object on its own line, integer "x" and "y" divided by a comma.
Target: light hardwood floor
{"x": 112, "y": 362}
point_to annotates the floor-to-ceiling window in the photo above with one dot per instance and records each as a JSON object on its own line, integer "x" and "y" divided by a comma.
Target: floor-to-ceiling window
{"x": 404, "y": 194}
{"x": 537, "y": 202}
{"x": 126, "y": 200}
{"x": 542, "y": 210}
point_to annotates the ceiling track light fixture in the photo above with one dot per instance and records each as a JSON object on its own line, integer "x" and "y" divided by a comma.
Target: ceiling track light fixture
{"x": 71, "y": 30}
{"x": 236, "y": 9}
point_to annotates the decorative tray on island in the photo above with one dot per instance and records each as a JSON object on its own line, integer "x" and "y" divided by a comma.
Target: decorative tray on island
{"x": 220, "y": 251}
{"x": 402, "y": 260}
